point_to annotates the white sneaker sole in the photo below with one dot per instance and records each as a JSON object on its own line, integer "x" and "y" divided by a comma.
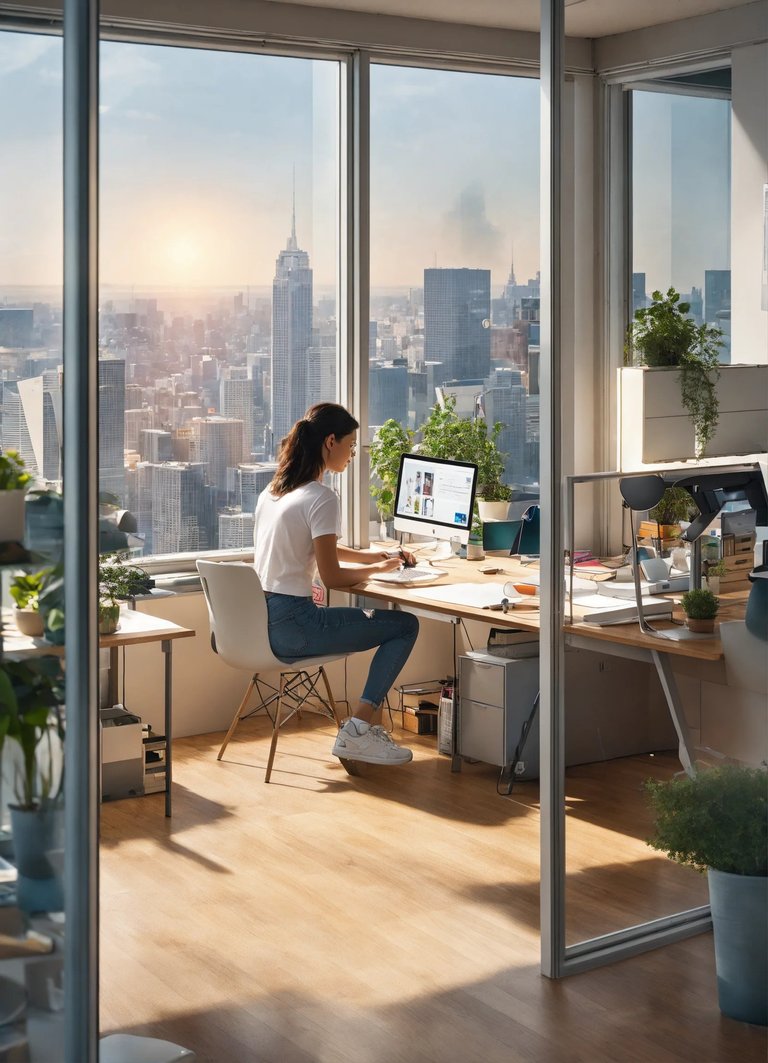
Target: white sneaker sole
{"x": 365, "y": 759}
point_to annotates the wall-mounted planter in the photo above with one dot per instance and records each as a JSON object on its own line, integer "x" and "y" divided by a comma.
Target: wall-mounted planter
{"x": 654, "y": 425}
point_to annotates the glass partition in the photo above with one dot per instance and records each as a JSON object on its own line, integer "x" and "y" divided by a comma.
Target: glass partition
{"x": 32, "y": 710}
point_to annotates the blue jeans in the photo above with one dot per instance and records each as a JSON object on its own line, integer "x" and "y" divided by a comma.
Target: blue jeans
{"x": 298, "y": 628}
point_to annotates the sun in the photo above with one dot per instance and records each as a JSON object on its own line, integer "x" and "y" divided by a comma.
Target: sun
{"x": 183, "y": 252}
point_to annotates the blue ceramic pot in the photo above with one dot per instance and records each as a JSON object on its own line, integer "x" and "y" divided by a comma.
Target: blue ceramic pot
{"x": 740, "y": 923}
{"x": 757, "y": 604}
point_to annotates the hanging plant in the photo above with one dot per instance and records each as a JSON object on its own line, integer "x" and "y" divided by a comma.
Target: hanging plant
{"x": 662, "y": 335}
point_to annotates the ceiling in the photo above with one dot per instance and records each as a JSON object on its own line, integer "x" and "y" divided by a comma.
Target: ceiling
{"x": 583, "y": 18}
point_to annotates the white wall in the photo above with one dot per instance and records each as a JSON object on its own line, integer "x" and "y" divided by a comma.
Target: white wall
{"x": 749, "y": 322}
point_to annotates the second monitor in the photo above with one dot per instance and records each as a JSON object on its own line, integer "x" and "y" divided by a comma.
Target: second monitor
{"x": 435, "y": 497}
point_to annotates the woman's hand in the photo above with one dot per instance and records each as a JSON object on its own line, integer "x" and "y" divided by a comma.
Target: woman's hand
{"x": 387, "y": 564}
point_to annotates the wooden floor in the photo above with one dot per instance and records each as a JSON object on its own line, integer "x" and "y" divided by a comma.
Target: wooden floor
{"x": 391, "y": 918}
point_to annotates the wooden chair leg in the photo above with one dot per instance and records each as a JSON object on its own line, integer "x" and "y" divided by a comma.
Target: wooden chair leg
{"x": 331, "y": 701}
{"x": 275, "y": 729}
{"x": 236, "y": 719}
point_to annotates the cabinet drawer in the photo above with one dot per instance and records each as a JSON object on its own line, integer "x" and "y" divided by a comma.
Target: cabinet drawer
{"x": 482, "y": 682}
{"x": 481, "y": 732}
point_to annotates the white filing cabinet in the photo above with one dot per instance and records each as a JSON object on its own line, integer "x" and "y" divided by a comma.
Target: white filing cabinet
{"x": 496, "y": 695}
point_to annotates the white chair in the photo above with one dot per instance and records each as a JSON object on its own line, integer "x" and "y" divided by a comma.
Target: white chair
{"x": 128, "y": 1048}
{"x": 237, "y": 611}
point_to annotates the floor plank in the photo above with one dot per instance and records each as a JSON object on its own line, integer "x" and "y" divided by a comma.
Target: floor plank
{"x": 392, "y": 918}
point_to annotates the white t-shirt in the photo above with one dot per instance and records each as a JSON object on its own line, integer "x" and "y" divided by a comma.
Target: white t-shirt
{"x": 283, "y": 530}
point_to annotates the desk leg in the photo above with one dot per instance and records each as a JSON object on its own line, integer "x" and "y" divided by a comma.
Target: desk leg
{"x": 112, "y": 680}
{"x": 669, "y": 686}
{"x": 167, "y": 646}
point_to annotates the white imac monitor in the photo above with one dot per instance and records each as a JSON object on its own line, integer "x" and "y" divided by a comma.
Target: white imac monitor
{"x": 435, "y": 497}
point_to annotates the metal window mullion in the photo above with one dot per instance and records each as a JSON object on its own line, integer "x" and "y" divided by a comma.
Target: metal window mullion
{"x": 552, "y": 788}
{"x": 80, "y": 478}
{"x": 355, "y": 280}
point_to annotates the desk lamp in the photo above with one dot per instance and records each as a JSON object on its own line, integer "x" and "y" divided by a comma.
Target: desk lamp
{"x": 640, "y": 493}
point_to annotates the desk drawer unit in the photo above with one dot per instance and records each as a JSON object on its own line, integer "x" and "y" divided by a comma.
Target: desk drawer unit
{"x": 495, "y": 699}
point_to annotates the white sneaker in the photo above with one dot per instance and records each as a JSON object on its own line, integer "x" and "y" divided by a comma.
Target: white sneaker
{"x": 373, "y": 746}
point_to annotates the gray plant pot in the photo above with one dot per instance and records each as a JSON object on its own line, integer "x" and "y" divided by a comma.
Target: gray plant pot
{"x": 37, "y": 834}
{"x": 740, "y": 923}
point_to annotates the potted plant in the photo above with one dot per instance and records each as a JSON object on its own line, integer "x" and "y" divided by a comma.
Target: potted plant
{"x": 713, "y": 571}
{"x": 446, "y": 435}
{"x": 14, "y": 481}
{"x": 663, "y": 336}
{"x": 700, "y": 607}
{"x": 663, "y": 524}
{"x": 390, "y": 442}
{"x": 118, "y": 581}
{"x": 31, "y": 695}
{"x": 25, "y": 590}
{"x": 717, "y": 822}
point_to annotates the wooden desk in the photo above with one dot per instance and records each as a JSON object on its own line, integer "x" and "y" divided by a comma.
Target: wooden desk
{"x": 623, "y": 640}
{"x": 135, "y": 628}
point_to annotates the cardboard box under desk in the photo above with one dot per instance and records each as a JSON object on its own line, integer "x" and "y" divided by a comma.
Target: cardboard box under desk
{"x": 421, "y": 721}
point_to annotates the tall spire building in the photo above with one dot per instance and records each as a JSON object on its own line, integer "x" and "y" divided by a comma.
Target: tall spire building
{"x": 291, "y": 336}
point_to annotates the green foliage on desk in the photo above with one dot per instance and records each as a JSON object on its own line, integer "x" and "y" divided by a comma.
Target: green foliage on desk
{"x": 675, "y": 505}
{"x": 390, "y": 442}
{"x": 718, "y": 819}
{"x": 446, "y": 435}
{"x": 31, "y": 695}
{"x": 119, "y": 580}
{"x": 25, "y": 588}
{"x": 700, "y": 604}
{"x": 12, "y": 474}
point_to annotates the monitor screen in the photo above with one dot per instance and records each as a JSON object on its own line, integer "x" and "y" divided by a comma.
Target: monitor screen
{"x": 435, "y": 497}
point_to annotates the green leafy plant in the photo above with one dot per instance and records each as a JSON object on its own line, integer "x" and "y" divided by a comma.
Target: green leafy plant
{"x": 700, "y": 604}
{"x": 119, "y": 580}
{"x": 390, "y": 441}
{"x": 12, "y": 474}
{"x": 25, "y": 588}
{"x": 31, "y": 695}
{"x": 715, "y": 568}
{"x": 675, "y": 505}
{"x": 717, "y": 819}
{"x": 662, "y": 335}
{"x": 446, "y": 435}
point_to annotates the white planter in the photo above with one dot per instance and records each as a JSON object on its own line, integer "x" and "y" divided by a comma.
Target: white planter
{"x": 654, "y": 425}
{"x": 12, "y": 516}
{"x": 492, "y": 510}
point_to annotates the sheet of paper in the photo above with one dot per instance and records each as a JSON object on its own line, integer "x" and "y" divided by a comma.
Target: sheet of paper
{"x": 478, "y": 595}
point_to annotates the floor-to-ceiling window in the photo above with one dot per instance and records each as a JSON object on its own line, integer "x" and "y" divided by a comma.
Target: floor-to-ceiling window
{"x": 32, "y": 711}
{"x": 218, "y": 308}
{"x": 454, "y": 263}
{"x": 681, "y": 196}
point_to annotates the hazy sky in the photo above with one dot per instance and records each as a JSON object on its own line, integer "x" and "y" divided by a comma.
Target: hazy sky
{"x": 198, "y": 150}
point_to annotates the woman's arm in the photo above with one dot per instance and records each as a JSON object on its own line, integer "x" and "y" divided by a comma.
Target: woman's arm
{"x": 367, "y": 557}
{"x": 328, "y": 554}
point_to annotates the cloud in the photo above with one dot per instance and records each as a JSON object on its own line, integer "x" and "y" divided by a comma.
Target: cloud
{"x": 470, "y": 238}
{"x": 19, "y": 50}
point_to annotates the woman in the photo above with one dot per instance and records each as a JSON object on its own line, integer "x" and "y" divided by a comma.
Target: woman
{"x": 297, "y": 527}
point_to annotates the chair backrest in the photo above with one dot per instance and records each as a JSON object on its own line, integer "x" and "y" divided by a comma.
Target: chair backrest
{"x": 237, "y": 611}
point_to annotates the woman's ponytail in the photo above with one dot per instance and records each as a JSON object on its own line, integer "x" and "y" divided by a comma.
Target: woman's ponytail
{"x": 300, "y": 459}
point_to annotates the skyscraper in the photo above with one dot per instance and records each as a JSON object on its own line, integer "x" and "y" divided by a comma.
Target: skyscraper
{"x": 291, "y": 336}
{"x": 112, "y": 426}
{"x": 457, "y": 311}
{"x": 180, "y": 508}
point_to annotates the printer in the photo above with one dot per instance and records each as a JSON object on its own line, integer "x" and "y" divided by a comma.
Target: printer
{"x": 122, "y": 753}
